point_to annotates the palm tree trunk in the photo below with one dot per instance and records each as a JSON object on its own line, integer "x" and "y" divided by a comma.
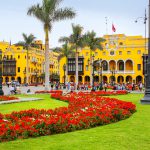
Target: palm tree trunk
{"x": 27, "y": 74}
{"x": 66, "y": 70}
{"x": 46, "y": 59}
{"x": 76, "y": 85}
{"x": 91, "y": 69}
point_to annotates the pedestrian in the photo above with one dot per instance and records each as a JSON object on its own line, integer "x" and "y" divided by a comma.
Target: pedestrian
{"x": 68, "y": 86}
{"x": 86, "y": 86}
{"x": 133, "y": 86}
{"x": 140, "y": 86}
{"x": 28, "y": 91}
{"x": 12, "y": 90}
{"x": 57, "y": 85}
{"x": 7, "y": 84}
{"x": 105, "y": 86}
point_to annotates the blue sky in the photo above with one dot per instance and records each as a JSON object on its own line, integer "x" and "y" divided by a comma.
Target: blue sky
{"x": 90, "y": 14}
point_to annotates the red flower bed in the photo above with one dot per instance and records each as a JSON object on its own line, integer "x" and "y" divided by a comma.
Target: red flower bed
{"x": 110, "y": 87}
{"x": 7, "y": 98}
{"x": 53, "y": 91}
{"x": 84, "y": 111}
{"x": 117, "y": 92}
{"x": 103, "y": 93}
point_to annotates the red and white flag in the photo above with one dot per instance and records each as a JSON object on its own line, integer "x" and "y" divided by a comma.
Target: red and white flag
{"x": 113, "y": 28}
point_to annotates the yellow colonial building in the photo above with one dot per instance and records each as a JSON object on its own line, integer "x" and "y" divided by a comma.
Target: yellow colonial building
{"x": 15, "y": 58}
{"x": 121, "y": 61}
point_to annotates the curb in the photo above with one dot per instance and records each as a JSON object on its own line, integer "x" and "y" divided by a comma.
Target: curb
{"x": 20, "y": 100}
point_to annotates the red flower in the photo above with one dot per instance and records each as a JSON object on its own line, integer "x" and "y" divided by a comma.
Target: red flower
{"x": 85, "y": 110}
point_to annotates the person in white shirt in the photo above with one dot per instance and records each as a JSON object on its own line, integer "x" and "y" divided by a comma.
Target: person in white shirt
{"x": 11, "y": 89}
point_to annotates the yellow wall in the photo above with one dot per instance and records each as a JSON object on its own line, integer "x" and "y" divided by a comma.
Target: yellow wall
{"x": 36, "y": 60}
{"x": 129, "y": 46}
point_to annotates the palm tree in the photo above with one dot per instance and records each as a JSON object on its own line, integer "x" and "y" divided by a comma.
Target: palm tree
{"x": 27, "y": 43}
{"x": 66, "y": 51}
{"x": 93, "y": 43}
{"x": 48, "y": 13}
{"x": 76, "y": 40}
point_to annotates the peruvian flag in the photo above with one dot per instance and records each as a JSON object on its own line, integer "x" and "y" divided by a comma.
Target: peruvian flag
{"x": 113, "y": 28}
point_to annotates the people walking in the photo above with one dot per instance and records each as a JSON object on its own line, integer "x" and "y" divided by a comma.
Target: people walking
{"x": 105, "y": 86}
{"x": 140, "y": 86}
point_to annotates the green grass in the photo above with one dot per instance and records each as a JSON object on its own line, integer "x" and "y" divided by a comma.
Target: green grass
{"x": 46, "y": 103}
{"x": 130, "y": 134}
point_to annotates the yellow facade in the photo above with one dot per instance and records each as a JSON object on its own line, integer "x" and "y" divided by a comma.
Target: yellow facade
{"x": 36, "y": 62}
{"x": 121, "y": 54}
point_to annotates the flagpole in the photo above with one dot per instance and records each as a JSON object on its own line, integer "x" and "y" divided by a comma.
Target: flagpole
{"x": 106, "y": 19}
{"x": 112, "y": 29}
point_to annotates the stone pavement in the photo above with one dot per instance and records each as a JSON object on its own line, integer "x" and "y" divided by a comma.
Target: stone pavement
{"x": 24, "y": 89}
{"x": 137, "y": 92}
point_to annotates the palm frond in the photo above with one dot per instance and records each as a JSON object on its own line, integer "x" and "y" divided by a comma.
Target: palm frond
{"x": 66, "y": 51}
{"x": 38, "y": 12}
{"x": 56, "y": 49}
{"x": 49, "y": 12}
{"x": 64, "y": 39}
{"x": 62, "y": 14}
{"x": 76, "y": 38}
{"x": 92, "y": 42}
{"x": 28, "y": 41}
{"x": 20, "y": 43}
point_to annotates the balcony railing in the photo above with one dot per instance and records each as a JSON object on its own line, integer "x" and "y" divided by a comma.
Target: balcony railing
{"x": 34, "y": 61}
{"x": 116, "y": 72}
{"x": 9, "y": 74}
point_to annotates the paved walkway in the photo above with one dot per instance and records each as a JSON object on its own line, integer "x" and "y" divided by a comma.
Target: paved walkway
{"x": 24, "y": 89}
{"x": 137, "y": 92}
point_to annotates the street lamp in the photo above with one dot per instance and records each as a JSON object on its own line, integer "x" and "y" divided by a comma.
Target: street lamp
{"x": 24, "y": 72}
{"x": 111, "y": 77}
{"x": 64, "y": 68}
{"x": 101, "y": 76}
{"x": 113, "y": 71}
{"x": 146, "y": 99}
{"x": 1, "y": 90}
{"x": 145, "y": 22}
{"x": 36, "y": 71}
{"x": 93, "y": 73}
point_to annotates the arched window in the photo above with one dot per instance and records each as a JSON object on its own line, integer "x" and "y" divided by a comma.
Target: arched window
{"x": 121, "y": 43}
{"x": 112, "y": 53}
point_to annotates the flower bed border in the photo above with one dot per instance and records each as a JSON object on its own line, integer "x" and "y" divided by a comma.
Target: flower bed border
{"x": 84, "y": 111}
{"x": 20, "y": 100}
{"x": 8, "y": 98}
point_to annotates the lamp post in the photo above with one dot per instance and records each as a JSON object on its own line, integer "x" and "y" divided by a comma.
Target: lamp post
{"x": 100, "y": 71}
{"x": 36, "y": 71}
{"x": 93, "y": 73}
{"x": 144, "y": 56}
{"x": 145, "y": 21}
{"x": 64, "y": 68}
{"x": 146, "y": 99}
{"x": 24, "y": 72}
{"x": 1, "y": 90}
{"x": 113, "y": 76}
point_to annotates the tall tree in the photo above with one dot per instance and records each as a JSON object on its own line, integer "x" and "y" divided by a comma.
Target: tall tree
{"x": 93, "y": 43}
{"x": 27, "y": 44}
{"x": 48, "y": 13}
{"x": 76, "y": 40}
{"x": 65, "y": 51}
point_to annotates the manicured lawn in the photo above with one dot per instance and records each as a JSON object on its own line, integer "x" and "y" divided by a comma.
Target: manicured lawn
{"x": 130, "y": 134}
{"x": 46, "y": 103}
